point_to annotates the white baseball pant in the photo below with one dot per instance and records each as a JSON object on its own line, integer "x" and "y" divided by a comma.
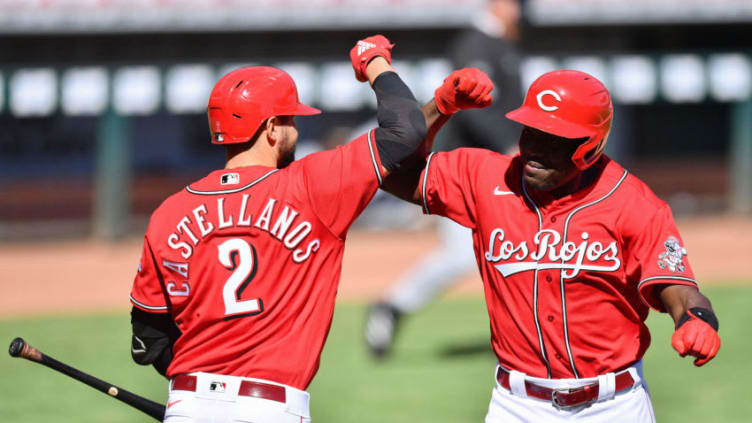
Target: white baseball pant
{"x": 630, "y": 405}
{"x": 229, "y": 399}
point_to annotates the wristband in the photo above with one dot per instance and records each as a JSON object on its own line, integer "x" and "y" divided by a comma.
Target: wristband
{"x": 703, "y": 314}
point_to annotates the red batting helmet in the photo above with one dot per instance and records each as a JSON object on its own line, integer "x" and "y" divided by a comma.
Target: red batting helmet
{"x": 244, "y": 98}
{"x": 569, "y": 104}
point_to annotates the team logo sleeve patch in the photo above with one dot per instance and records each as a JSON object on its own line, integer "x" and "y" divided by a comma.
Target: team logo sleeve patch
{"x": 662, "y": 258}
{"x": 673, "y": 258}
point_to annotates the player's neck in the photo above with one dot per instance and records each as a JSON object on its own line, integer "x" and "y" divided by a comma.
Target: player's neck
{"x": 579, "y": 183}
{"x": 250, "y": 157}
{"x": 569, "y": 188}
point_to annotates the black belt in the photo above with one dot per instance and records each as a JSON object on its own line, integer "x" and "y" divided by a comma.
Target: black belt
{"x": 567, "y": 397}
{"x": 248, "y": 388}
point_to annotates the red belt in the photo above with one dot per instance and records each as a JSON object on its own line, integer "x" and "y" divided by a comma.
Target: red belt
{"x": 248, "y": 388}
{"x": 567, "y": 397}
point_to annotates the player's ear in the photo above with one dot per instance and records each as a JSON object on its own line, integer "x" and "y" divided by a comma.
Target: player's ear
{"x": 272, "y": 130}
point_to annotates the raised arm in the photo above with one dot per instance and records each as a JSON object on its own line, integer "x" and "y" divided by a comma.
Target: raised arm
{"x": 401, "y": 127}
{"x": 468, "y": 88}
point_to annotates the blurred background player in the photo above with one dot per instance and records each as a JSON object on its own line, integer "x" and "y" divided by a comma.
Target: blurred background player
{"x": 490, "y": 45}
{"x": 235, "y": 290}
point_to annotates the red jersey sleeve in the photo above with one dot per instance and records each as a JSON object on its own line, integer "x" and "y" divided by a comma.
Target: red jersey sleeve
{"x": 447, "y": 184}
{"x": 147, "y": 291}
{"x": 342, "y": 181}
{"x": 656, "y": 256}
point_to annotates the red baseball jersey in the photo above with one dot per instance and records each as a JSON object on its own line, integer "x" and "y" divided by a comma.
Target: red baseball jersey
{"x": 247, "y": 262}
{"x": 568, "y": 282}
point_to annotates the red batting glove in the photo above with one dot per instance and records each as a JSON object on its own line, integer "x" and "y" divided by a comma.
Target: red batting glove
{"x": 696, "y": 337}
{"x": 467, "y": 88}
{"x": 366, "y": 50}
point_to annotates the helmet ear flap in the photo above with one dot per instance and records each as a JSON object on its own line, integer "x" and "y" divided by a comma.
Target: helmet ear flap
{"x": 593, "y": 155}
{"x": 585, "y": 158}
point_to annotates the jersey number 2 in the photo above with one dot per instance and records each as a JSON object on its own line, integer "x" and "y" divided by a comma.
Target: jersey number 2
{"x": 239, "y": 256}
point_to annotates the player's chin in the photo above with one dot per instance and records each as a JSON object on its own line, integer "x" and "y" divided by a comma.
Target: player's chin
{"x": 539, "y": 180}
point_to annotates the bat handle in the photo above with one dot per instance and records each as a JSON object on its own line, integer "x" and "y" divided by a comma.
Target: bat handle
{"x": 19, "y": 348}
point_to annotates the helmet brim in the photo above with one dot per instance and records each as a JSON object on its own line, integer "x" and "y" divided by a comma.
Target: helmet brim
{"x": 548, "y": 122}
{"x": 304, "y": 110}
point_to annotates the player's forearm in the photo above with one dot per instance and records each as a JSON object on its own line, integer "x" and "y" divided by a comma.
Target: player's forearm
{"x": 404, "y": 182}
{"x": 679, "y": 298}
{"x": 376, "y": 67}
{"x": 435, "y": 120}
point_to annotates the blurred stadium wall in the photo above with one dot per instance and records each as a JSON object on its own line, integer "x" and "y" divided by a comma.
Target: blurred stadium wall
{"x": 102, "y": 102}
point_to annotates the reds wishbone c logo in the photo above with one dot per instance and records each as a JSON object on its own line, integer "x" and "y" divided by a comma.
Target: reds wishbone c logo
{"x": 553, "y": 94}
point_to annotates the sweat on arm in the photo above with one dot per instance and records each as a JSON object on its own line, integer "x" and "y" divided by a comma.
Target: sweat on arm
{"x": 402, "y": 127}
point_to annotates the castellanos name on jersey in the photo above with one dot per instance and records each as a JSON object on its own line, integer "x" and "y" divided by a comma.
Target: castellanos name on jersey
{"x": 571, "y": 256}
{"x": 281, "y": 224}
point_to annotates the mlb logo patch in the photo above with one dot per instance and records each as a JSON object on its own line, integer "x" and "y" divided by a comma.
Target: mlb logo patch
{"x": 218, "y": 387}
{"x": 230, "y": 179}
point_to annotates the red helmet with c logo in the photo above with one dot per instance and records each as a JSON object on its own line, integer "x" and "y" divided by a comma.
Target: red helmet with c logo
{"x": 569, "y": 104}
{"x": 244, "y": 98}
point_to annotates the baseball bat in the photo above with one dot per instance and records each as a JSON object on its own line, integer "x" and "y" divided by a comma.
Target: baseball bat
{"x": 19, "y": 348}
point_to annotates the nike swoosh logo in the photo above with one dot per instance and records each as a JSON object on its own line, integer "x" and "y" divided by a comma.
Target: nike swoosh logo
{"x": 497, "y": 191}
{"x": 170, "y": 404}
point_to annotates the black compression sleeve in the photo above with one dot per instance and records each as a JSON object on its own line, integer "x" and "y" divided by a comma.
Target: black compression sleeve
{"x": 153, "y": 338}
{"x": 402, "y": 126}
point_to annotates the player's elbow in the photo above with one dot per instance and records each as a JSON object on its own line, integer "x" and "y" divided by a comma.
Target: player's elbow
{"x": 398, "y": 142}
{"x": 403, "y": 125}
{"x": 409, "y": 131}
{"x": 152, "y": 339}
{"x": 417, "y": 129}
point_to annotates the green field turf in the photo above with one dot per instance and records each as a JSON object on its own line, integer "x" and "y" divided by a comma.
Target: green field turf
{"x": 441, "y": 370}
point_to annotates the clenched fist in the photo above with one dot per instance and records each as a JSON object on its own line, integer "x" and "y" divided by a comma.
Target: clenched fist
{"x": 467, "y": 88}
{"x": 365, "y": 50}
{"x": 697, "y": 335}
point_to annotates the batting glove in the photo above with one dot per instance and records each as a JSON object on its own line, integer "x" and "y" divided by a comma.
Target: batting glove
{"x": 467, "y": 88}
{"x": 697, "y": 335}
{"x": 366, "y": 50}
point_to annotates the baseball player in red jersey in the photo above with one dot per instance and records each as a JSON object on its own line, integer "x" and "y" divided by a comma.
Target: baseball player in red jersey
{"x": 235, "y": 291}
{"x": 573, "y": 251}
